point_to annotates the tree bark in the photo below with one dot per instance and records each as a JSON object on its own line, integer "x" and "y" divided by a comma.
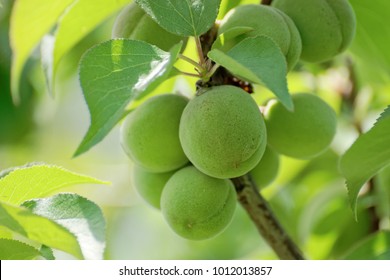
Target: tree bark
{"x": 266, "y": 222}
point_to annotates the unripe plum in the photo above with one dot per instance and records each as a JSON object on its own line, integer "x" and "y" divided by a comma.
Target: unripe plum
{"x": 150, "y": 134}
{"x": 222, "y": 132}
{"x": 150, "y": 185}
{"x": 267, "y": 21}
{"x": 327, "y": 27}
{"x": 304, "y": 133}
{"x": 267, "y": 169}
{"x": 197, "y": 206}
{"x": 133, "y": 23}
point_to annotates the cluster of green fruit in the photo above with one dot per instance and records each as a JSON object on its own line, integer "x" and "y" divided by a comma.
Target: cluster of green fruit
{"x": 195, "y": 205}
{"x": 186, "y": 151}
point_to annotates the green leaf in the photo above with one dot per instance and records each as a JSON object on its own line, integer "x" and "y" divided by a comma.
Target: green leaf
{"x": 47, "y": 252}
{"x": 16, "y": 250}
{"x": 83, "y": 16}
{"x": 37, "y": 228}
{"x": 375, "y": 247}
{"x": 33, "y": 181}
{"x": 183, "y": 17}
{"x": 371, "y": 45}
{"x": 366, "y": 157}
{"x": 257, "y": 60}
{"x": 384, "y": 114}
{"x": 115, "y": 72}
{"x": 30, "y": 20}
{"x": 5, "y": 233}
{"x": 80, "y": 216}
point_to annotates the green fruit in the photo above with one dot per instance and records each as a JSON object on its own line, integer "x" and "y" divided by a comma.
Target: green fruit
{"x": 197, "y": 206}
{"x": 150, "y": 185}
{"x": 327, "y": 27}
{"x": 150, "y": 134}
{"x": 133, "y": 23}
{"x": 267, "y": 21}
{"x": 304, "y": 133}
{"x": 222, "y": 132}
{"x": 267, "y": 169}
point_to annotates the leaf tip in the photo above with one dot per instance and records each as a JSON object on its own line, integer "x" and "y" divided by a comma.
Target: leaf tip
{"x": 288, "y": 104}
{"x": 15, "y": 89}
{"x": 352, "y": 200}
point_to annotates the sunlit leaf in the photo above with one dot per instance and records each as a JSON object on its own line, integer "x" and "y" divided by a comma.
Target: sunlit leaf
{"x": 366, "y": 157}
{"x": 83, "y": 16}
{"x": 37, "y": 228}
{"x": 260, "y": 61}
{"x": 80, "y": 216}
{"x": 34, "y": 181}
{"x": 115, "y": 72}
{"x": 183, "y": 17}
{"x": 16, "y": 250}
{"x": 30, "y": 21}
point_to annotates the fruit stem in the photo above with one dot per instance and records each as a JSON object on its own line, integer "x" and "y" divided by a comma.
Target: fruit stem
{"x": 188, "y": 74}
{"x": 211, "y": 72}
{"x": 191, "y": 61}
{"x": 200, "y": 51}
{"x": 264, "y": 219}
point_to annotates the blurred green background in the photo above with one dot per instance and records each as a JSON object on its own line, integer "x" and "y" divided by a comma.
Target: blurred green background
{"x": 309, "y": 197}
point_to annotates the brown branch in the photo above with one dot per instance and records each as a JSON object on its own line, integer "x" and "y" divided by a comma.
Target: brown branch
{"x": 372, "y": 210}
{"x": 208, "y": 38}
{"x": 266, "y": 2}
{"x": 249, "y": 197}
{"x": 264, "y": 219}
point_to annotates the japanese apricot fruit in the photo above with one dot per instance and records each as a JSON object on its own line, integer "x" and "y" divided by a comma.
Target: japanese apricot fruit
{"x": 222, "y": 132}
{"x": 267, "y": 169}
{"x": 327, "y": 27}
{"x": 197, "y": 206}
{"x": 150, "y": 134}
{"x": 304, "y": 133}
{"x": 149, "y": 185}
